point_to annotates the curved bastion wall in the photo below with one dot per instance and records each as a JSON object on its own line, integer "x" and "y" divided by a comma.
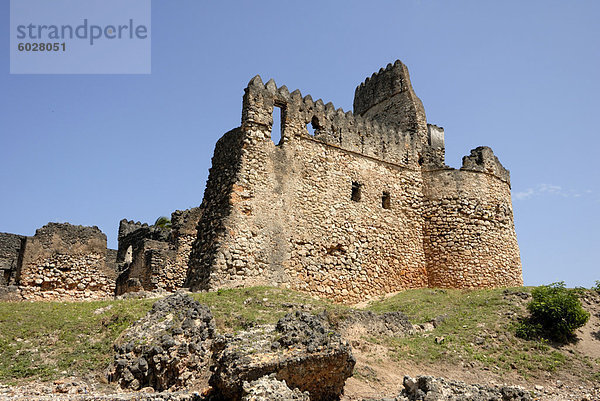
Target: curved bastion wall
{"x": 469, "y": 233}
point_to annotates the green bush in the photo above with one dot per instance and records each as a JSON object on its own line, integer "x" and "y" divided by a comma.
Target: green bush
{"x": 556, "y": 313}
{"x": 597, "y": 286}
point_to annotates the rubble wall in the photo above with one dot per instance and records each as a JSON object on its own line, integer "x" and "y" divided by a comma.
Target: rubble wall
{"x": 66, "y": 262}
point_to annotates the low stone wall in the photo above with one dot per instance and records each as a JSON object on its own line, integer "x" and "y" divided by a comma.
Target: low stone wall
{"x": 65, "y": 262}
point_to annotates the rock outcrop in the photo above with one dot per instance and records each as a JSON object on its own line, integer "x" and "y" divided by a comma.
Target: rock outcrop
{"x": 300, "y": 349}
{"x": 168, "y": 348}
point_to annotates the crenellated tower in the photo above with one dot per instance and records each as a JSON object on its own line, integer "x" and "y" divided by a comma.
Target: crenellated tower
{"x": 350, "y": 205}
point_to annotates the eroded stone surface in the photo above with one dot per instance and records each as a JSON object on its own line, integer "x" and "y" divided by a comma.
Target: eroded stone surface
{"x": 300, "y": 349}
{"x": 168, "y": 348}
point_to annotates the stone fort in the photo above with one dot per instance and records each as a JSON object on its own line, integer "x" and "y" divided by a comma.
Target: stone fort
{"x": 345, "y": 205}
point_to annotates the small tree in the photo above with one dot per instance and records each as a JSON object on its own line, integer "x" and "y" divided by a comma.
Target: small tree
{"x": 556, "y": 313}
{"x": 597, "y": 286}
{"x": 163, "y": 222}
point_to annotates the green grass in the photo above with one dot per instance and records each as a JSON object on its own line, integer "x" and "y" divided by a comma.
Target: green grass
{"x": 238, "y": 309}
{"x": 41, "y": 340}
{"x": 46, "y": 340}
{"x": 478, "y": 331}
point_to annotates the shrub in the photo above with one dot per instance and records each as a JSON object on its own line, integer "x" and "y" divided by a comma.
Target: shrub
{"x": 597, "y": 286}
{"x": 556, "y": 313}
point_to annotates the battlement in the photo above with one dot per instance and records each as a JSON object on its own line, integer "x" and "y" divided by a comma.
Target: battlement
{"x": 346, "y": 205}
{"x": 363, "y": 207}
{"x": 331, "y": 126}
{"x": 128, "y": 226}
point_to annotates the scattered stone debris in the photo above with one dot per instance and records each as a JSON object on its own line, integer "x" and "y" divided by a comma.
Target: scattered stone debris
{"x": 168, "y": 348}
{"x": 301, "y": 349}
{"x": 428, "y": 388}
{"x": 268, "y": 388}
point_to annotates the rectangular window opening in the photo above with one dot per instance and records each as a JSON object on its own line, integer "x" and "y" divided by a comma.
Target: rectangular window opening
{"x": 277, "y": 127}
{"x": 386, "y": 200}
{"x": 356, "y": 191}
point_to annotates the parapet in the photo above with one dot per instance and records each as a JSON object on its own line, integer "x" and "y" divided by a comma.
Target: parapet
{"x": 331, "y": 126}
{"x": 482, "y": 159}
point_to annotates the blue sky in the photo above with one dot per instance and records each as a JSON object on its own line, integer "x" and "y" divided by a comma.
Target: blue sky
{"x": 521, "y": 77}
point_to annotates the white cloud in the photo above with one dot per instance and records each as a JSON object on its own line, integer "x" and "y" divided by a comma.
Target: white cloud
{"x": 524, "y": 194}
{"x": 549, "y": 189}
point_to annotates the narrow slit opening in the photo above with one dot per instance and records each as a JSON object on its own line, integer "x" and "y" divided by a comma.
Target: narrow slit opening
{"x": 356, "y": 192}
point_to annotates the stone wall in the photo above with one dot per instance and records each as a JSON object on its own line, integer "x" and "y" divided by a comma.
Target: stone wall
{"x": 285, "y": 215}
{"x": 363, "y": 207}
{"x": 66, "y": 262}
{"x": 10, "y": 245}
{"x": 185, "y": 227}
{"x": 359, "y": 205}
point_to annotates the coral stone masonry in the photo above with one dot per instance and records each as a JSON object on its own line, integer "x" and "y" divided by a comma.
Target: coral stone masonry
{"x": 62, "y": 261}
{"x": 363, "y": 206}
{"x": 345, "y": 205}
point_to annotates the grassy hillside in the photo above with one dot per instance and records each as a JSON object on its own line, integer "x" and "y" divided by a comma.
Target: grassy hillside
{"x": 46, "y": 340}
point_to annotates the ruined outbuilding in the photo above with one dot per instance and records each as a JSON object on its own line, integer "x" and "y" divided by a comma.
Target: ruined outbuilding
{"x": 154, "y": 258}
{"x": 60, "y": 262}
{"x": 363, "y": 206}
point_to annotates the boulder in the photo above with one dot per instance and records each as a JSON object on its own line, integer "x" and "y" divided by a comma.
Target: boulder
{"x": 300, "y": 349}
{"x": 169, "y": 348}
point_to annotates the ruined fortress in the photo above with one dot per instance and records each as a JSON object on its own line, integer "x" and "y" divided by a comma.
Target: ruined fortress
{"x": 345, "y": 205}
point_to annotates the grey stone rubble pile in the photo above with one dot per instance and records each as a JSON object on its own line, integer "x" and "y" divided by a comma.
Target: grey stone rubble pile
{"x": 268, "y": 388}
{"x": 301, "y": 349}
{"x": 428, "y": 388}
{"x": 168, "y": 348}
